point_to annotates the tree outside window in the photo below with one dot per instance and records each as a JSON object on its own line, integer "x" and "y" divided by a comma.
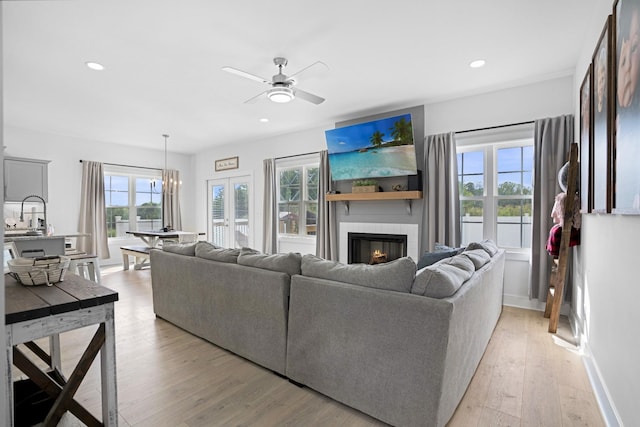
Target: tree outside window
{"x": 133, "y": 203}
{"x": 496, "y": 193}
{"x": 298, "y": 200}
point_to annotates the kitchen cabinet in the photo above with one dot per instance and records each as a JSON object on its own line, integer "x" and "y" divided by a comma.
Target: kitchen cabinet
{"x": 25, "y": 177}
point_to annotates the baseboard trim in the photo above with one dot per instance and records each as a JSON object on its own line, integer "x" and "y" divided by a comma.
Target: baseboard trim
{"x": 531, "y": 304}
{"x": 607, "y": 409}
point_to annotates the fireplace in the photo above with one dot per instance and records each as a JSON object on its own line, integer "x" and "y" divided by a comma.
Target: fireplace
{"x": 375, "y": 248}
{"x": 412, "y": 232}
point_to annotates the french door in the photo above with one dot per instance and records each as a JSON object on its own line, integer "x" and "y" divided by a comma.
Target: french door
{"x": 230, "y": 212}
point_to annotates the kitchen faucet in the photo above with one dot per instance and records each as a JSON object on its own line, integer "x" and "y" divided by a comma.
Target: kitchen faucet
{"x": 34, "y": 226}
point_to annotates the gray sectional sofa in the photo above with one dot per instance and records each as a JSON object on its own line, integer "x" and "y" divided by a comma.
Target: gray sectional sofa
{"x": 398, "y": 344}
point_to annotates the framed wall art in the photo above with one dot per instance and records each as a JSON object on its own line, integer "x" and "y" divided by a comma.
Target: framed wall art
{"x": 586, "y": 138}
{"x": 226, "y": 164}
{"x": 626, "y": 108}
{"x": 602, "y": 141}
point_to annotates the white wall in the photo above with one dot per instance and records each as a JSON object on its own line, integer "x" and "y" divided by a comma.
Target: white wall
{"x": 65, "y": 172}
{"x": 251, "y": 157}
{"x": 550, "y": 98}
{"x": 606, "y": 289}
{"x": 3, "y": 345}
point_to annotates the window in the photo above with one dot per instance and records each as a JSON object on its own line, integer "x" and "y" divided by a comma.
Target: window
{"x": 298, "y": 199}
{"x": 133, "y": 200}
{"x": 496, "y": 192}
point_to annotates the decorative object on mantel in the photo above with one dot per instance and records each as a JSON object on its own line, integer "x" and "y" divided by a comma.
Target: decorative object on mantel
{"x": 364, "y": 186}
{"x": 226, "y": 164}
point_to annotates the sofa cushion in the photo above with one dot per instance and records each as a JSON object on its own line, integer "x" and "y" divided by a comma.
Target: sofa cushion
{"x": 286, "y": 262}
{"x": 215, "y": 253}
{"x": 180, "y": 248}
{"x": 444, "y": 278}
{"x": 440, "y": 252}
{"x": 487, "y": 245}
{"x": 396, "y": 275}
{"x": 479, "y": 257}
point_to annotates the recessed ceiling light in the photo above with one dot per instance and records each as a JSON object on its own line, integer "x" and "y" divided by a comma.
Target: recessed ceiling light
{"x": 94, "y": 66}
{"x": 264, "y": 120}
{"x": 477, "y": 63}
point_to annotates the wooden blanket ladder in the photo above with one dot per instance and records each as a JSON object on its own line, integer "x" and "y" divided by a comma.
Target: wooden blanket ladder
{"x": 558, "y": 277}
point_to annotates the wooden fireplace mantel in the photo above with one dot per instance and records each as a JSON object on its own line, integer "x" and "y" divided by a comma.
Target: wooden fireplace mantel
{"x": 407, "y": 196}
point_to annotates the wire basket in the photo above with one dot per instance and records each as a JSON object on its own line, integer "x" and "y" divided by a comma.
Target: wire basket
{"x": 39, "y": 271}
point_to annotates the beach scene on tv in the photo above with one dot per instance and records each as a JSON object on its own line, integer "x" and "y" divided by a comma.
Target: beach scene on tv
{"x": 377, "y": 149}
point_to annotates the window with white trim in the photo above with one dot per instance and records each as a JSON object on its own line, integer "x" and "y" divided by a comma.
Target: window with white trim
{"x": 133, "y": 199}
{"x": 298, "y": 196}
{"x": 496, "y": 192}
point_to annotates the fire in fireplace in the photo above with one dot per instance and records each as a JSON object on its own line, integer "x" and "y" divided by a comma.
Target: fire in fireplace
{"x": 373, "y": 248}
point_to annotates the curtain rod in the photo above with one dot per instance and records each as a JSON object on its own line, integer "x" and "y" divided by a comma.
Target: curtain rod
{"x": 129, "y": 166}
{"x": 296, "y": 155}
{"x": 496, "y": 127}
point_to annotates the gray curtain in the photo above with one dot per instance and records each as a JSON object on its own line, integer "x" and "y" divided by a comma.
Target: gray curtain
{"x": 171, "y": 199}
{"x": 270, "y": 208}
{"x": 93, "y": 211}
{"x": 327, "y": 230}
{"x": 552, "y": 141}
{"x": 441, "y": 212}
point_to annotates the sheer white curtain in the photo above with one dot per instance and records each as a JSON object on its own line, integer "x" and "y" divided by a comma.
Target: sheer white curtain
{"x": 441, "y": 213}
{"x": 93, "y": 211}
{"x": 171, "y": 199}
{"x": 270, "y": 208}
{"x": 552, "y": 141}
{"x": 327, "y": 234}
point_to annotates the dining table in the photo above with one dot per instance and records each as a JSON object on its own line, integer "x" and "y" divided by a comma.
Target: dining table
{"x": 152, "y": 238}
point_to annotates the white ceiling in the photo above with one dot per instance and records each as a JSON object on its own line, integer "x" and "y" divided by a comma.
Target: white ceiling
{"x": 163, "y": 61}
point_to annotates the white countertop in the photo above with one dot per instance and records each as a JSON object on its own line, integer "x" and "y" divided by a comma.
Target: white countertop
{"x": 13, "y": 238}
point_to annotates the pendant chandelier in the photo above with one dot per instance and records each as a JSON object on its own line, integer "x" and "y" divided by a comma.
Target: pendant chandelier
{"x": 171, "y": 186}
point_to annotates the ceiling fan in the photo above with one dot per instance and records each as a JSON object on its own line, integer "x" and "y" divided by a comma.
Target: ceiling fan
{"x": 282, "y": 86}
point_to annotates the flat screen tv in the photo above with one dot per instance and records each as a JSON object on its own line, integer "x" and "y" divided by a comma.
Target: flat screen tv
{"x": 376, "y": 149}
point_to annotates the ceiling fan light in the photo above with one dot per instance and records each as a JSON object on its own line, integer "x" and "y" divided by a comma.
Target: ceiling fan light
{"x": 280, "y": 94}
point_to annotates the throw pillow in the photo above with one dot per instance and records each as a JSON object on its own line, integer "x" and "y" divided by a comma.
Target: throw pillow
{"x": 180, "y": 248}
{"x": 439, "y": 247}
{"x": 286, "y": 262}
{"x": 440, "y": 252}
{"x": 443, "y": 279}
{"x": 487, "y": 245}
{"x": 215, "y": 253}
{"x": 479, "y": 257}
{"x": 429, "y": 258}
{"x": 396, "y": 275}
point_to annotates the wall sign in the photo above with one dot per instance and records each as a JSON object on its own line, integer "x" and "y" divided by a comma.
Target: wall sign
{"x": 226, "y": 164}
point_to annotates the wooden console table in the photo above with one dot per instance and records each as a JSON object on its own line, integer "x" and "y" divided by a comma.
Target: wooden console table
{"x": 34, "y": 312}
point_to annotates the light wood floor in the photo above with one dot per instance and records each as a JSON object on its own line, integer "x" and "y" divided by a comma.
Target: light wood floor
{"x": 167, "y": 377}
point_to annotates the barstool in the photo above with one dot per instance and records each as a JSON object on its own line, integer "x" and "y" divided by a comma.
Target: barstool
{"x": 86, "y": 266}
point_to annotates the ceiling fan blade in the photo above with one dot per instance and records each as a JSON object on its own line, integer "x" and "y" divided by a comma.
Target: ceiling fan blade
{"x": 315, "y": 99}
{"x": 256, "y": 98}
{"x": 246, "y": 75}
{"x": 315, "y": 64}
